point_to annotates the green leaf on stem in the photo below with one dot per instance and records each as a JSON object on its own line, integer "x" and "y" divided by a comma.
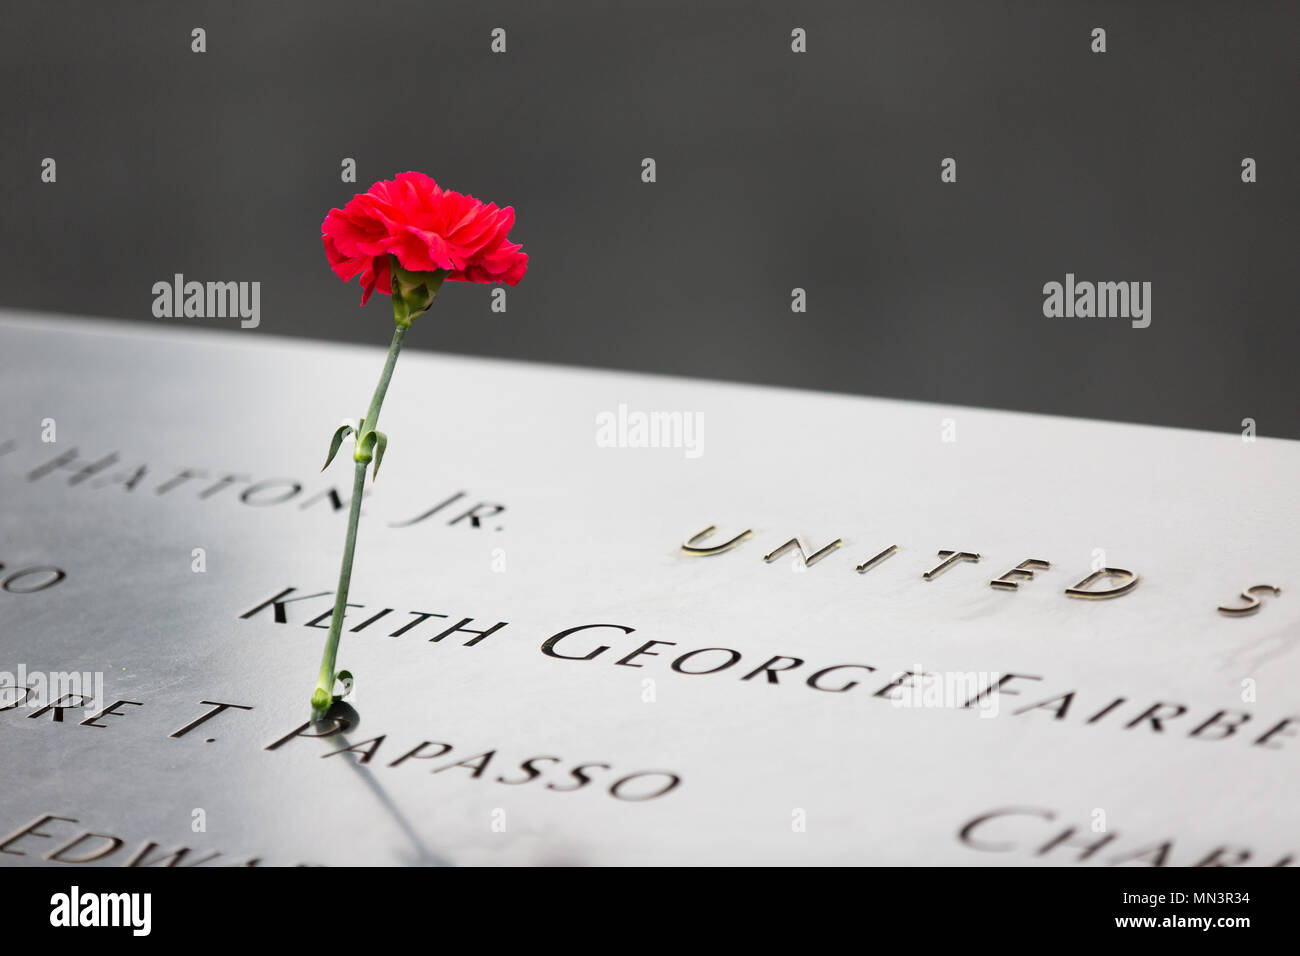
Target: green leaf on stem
{"x": 342, "y": 433}
{"x": 380, "y": 443}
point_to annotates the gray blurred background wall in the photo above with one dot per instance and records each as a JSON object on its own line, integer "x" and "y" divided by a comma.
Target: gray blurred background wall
{"x": 775, "y": 170}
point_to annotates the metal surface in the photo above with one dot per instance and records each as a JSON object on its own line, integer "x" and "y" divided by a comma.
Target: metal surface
{"x": 771, "y": 768}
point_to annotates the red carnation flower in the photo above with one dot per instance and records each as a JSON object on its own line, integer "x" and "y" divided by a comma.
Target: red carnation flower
{"x": 427, "y": 228}
{"x": 404, "y": 238}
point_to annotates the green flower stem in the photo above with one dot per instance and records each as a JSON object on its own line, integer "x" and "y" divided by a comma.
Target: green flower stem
{"x": 323, "y": 696}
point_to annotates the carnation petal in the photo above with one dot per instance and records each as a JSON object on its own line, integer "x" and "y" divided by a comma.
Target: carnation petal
{"x": 427, "y": 228}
